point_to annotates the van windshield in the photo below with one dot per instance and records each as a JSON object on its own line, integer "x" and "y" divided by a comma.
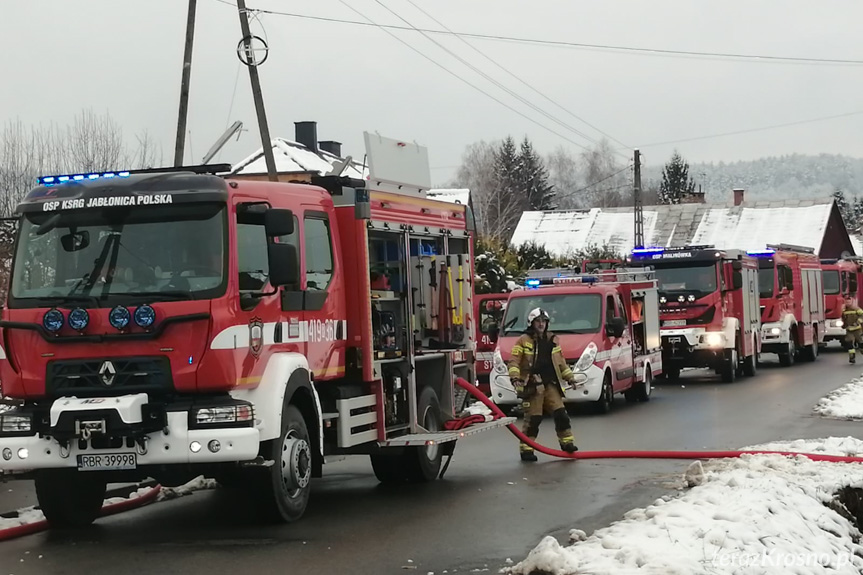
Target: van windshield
{"x": 568, "y": 313}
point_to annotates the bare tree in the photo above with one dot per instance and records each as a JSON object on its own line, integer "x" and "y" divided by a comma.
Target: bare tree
{"x": 606, "y": 180}
{"x": 563, "y": 174}
{"x": 477, "y": 173}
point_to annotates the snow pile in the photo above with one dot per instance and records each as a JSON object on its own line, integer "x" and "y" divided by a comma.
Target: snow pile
{"x": 477, "y": 408}
{"x": 197, "y": 484}
{"x": 23, "y": 516}
{"x": 134, "y": 495}
{"x": 763, "y": 514}
{"x": 843, "y": 403}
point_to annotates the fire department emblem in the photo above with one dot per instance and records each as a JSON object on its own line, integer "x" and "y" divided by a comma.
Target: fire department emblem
{"x": 256, "y": 336}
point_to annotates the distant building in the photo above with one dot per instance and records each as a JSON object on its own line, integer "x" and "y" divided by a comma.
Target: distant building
{"x": 813, "y": 223}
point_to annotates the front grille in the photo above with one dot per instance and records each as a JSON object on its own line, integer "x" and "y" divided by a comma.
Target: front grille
{"x": 111, "y": 376}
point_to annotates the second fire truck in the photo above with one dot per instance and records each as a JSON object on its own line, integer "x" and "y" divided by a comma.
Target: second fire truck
{"x": 709, "y": 308}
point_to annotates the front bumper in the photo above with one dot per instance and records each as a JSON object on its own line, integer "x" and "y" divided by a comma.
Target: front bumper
{"x": 175, "y": 443}
{"x": 502, "y": 392}
{"x": 693, "y": 347}
{"x": 774, "y": 338}
{"x": 834, "y": 330}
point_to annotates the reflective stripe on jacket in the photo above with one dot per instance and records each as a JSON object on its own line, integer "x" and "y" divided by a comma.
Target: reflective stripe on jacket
{"x": 523, "y": 358}
{"x": 851, "y": 317}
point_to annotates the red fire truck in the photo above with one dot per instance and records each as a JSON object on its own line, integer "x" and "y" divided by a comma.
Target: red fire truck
{"x": 488, "y": 309}
{"x": 709, "y": 308}
{"x": 792, "y": 302}
{"x": 840, "y": 279}
{"x": 175, "y": 323}
{"x": 608, "y": 325}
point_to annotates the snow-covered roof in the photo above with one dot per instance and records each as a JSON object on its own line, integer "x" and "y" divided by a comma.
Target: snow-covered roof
{"x": 293, "y": 157}
{"x": 857, "y": 242}
{"x": 748, "y": 226}
{"x": 452, "y": 195}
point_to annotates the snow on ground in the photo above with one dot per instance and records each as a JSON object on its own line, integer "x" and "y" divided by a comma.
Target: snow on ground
{"x": 843, "y": 403}
{"x": 764, "y": 514}
{"x": 197, "y": 484}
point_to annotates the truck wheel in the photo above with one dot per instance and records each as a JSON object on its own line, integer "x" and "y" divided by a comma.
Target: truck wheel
{"x": 414, "y": 464}
{"x": 750, "y": 365}
{"x": 640, "y": 391}
{"x": 811, "y": 351}
{"x": 606, "y": 398}
{"x": 786, "y": 359}
{"x": 284, "y": 491}
{"x": 70, "y": 498}
{"x": 729, "y": 366}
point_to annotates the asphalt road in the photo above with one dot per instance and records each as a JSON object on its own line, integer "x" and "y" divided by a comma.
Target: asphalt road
{"x": 490, "y": 507}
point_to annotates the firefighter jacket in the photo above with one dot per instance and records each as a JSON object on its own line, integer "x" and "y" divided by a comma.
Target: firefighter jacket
{"x": 852, "y": 317}
{"x": 523, "y": 359}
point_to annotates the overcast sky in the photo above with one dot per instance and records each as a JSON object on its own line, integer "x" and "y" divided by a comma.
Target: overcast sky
{"x": 125, "y": 57}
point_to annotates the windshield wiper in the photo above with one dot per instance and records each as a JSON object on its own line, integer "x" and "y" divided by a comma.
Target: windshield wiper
{"x": 176, "y": 294}
{"x": 91, "y": 299}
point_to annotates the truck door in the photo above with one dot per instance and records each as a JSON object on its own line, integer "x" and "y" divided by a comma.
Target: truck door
{"x": 325, "y": 314}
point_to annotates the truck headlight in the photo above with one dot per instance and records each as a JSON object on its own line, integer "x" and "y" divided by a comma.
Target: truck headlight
{"x": 714, "y": 339}
{"x": 775, "y": 331}
{"x": 14, "y": 423}
{"x": 224, "y": 414}
{"x": 499, "y": 365}
{"x": 838, "y": 323}
{"x": 587, "y": 358}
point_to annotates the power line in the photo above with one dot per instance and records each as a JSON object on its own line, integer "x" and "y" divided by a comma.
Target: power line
{"x": 750, "y": 130}
{"x": 583, "y": 45}
{"x": 519, "y": 79}
{"x": 596, "y": 183}
{"x": 474, "y": 86}
{"x": 489, "y": 78}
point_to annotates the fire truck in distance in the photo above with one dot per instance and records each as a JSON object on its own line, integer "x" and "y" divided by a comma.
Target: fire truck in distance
{"x": 792, "y": 302}
{"x": 174, "y": 323}
{"x": 841, "y": 280}
{"x": 488, "y": 311}
{"x": 709, "y": 308}
{"x": 608, "y": 326}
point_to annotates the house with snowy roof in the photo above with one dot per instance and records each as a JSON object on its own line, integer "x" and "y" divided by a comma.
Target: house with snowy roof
{"x": 299, "y": 159}
{"x": 814, "y": 223}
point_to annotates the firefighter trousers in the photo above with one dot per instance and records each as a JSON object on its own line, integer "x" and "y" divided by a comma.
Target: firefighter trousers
{"x": 854, "y": 339}
{"x": 546, "y": 399}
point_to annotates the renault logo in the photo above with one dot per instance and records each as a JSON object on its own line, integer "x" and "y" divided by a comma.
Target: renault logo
{"x": 107, "y": 372}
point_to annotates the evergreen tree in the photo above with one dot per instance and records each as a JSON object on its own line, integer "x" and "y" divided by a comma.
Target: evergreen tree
{"x": 506, "y": 206}
{"x": 676, "y": 183}
{"x": 858, "y": 215}
{"x": 533, "y": 179}
{"x": 846, "y": 209}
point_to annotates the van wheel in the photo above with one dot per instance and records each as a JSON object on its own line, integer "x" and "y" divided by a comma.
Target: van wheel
{"x": 282, "y": 492}
{"x": 606, "y": 398}
{"x": 640, "y": 391}
{"x": 70, "y": 498}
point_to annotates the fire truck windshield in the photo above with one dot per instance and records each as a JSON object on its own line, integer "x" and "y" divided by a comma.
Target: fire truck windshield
{"x": 689, "y": 277}
{"x": 831, "y": 282}
{"x": 765, "y": 281}
{"x": 568, "y": 313}
{"x": 158, "y": 252}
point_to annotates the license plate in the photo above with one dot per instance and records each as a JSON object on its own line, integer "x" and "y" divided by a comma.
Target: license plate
{"x": 107, "y": 461}
{"x": 674, "y": 322}
{"x": 675, "y": 340}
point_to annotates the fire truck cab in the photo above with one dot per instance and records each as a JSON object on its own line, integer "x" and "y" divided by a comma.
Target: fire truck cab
{"x": 488, "y": 309}
{"x": 608, "y": 326}
{"x": 792, "y": 302}
{"x": 175, "y": 323}
{"x": 708, "y": 302}
{"x": 840, "y": 279}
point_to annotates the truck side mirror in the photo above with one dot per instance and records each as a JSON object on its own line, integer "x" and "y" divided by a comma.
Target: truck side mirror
{"x": 278, "y": 222}
{"x": 737, "y": 265}
{"x": 284, "y": 264}
{"x": 493, "y": 331}
{"x": 736, "y": 279}
{"x": 615, "y": 327}
{"x": 789, "y": 277}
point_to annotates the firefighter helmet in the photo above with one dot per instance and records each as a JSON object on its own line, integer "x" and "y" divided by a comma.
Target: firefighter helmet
{"x": 537, "y": 313}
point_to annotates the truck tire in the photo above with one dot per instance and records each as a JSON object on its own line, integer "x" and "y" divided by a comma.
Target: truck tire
{"x": 811, "y": 352}
{"x": 606, "y": 397}
{"x": 750, "y": 365}
{"x": 729, "y": 366}
{"x": 640, "y": 391}
{"x": 70, "y": 498}
{"x": 283, "y": 489}
{"x": 414, "y": 464}
{"x": 787, "y": 359}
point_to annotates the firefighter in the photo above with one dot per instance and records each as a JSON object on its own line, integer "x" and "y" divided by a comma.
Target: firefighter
{"x": 852, "y": 319}
{"x": 537, "y": 369}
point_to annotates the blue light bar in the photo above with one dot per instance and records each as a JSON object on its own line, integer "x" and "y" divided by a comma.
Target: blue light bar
{"x": 533, "y": 282}
{"x": 761, "y": 253}
{"x": 53, "y": 180}
{"x": 643, "y": 251}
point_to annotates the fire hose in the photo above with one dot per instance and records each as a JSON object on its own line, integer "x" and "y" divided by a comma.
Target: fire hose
{"x": 632, "y": 454}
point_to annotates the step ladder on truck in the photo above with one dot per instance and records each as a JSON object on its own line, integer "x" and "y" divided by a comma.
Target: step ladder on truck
{"x": 173, "y": 323}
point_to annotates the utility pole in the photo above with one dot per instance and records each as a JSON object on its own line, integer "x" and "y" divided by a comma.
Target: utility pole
{"x": 637, "y": 201}
{"x": 179, "y": 148}
{"x": 266, "y": 142}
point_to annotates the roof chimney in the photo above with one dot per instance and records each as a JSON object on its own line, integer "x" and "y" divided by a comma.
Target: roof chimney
{"x": 335, "y": 148}
{"x": 307, "y": 134}
{"x": 738, "y": 196}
